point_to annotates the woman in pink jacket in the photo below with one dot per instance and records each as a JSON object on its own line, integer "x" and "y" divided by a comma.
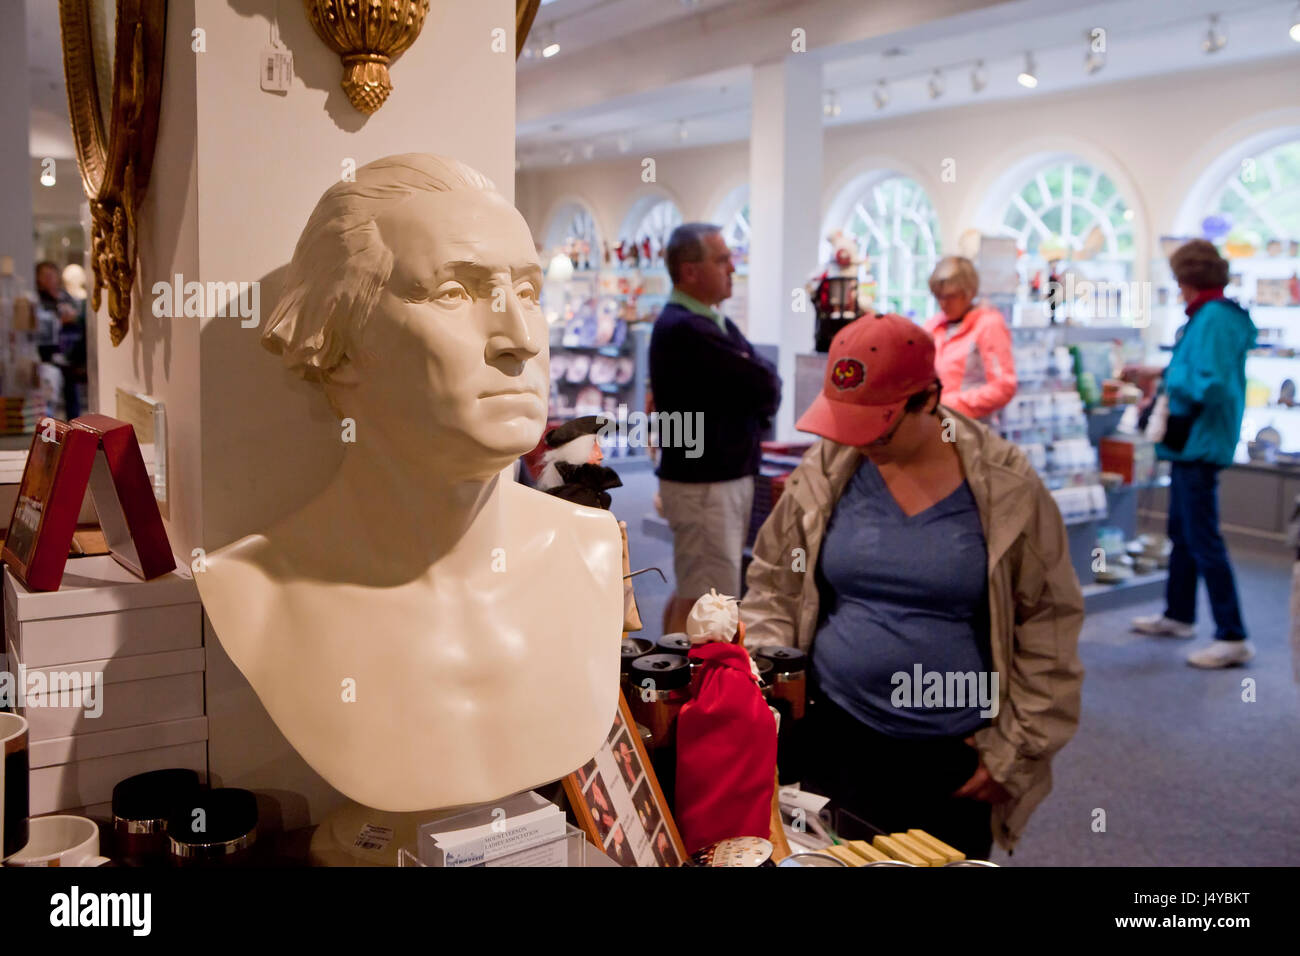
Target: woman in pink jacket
{"x": 972, "y": 344}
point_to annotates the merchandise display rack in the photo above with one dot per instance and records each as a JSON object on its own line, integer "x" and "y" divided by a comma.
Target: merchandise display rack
{"x": 603, "y": 324}
{"x": 1268, "y": 287}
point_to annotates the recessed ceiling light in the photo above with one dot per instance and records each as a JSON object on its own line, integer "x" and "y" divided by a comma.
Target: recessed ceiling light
{"x": 1215, "y": 39}
{"x": 683, "y": 134}
{"x": 1295, "y": 24}
{"x": 881, "y": 95}
{"x": 550, "y": 44}
{"x": 1028, "y": 77}
{"x": 831, "y": 104}
{"x": 935, "y": 85}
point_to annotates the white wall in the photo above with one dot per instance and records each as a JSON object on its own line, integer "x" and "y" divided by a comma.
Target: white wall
{"x": 1154, "y": 137}
{"x": 237, "y": 173}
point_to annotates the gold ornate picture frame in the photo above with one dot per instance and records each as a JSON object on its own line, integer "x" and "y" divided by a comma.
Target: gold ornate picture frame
{"x": 113, "y": 66}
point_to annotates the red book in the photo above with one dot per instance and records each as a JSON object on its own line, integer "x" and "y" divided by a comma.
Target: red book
{"x": 124, "y": 498}
{"x": 49, "y": 500}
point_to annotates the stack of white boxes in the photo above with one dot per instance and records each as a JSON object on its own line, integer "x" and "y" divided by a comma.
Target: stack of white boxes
{"x": 131, "y": 652}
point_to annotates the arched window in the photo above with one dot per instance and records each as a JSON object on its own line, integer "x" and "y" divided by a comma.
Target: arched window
{"x": 1070, "y": 210}
{"x": 733, "y": 216}
{"x": 896, "y": 228}
{"x": 1259, "y": 203}
{"x": 573, "y": 228}
{"x": 657, "y": 221}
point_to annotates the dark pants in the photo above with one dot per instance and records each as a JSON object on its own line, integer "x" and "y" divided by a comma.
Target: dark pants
{"x": 1199, "y": 551}
{"x": 896, "y": 784}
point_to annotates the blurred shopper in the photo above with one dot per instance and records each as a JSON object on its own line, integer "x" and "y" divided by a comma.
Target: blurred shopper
{"x": 71, "y": 341}
{"x": 1205, "y": 387}
{"x": 53, "y": 304}
{"x": 972, "y": 343}
{"x": 703, "y": 371}
{"x": 900, "y": 550}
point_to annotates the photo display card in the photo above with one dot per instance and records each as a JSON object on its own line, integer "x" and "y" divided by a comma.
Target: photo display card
{"x": 617, "y": 801}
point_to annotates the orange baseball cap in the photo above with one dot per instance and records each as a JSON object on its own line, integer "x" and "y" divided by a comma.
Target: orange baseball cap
{"x": 875, "y": 365}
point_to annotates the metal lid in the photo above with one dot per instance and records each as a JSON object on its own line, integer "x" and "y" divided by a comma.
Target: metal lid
{"x": 148, "y": 799}
{"x": 213, "y": 823}
{"x": 784, "y": 659}
{"x": 675, "y": 643}
{"x": 811, "y": 859}
{"x": 632, "y": 648}
{"x": 668, "y": 671}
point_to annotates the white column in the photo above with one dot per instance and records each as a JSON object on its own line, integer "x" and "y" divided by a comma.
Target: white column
{"x": 785, "y": 182}
{"x": 15, "y": 161}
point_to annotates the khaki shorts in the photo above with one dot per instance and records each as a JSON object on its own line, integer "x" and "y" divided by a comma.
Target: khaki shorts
{"x": 710, "y": 522}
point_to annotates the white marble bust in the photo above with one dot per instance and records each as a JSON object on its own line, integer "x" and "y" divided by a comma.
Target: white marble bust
{"x": 476, "y": 622}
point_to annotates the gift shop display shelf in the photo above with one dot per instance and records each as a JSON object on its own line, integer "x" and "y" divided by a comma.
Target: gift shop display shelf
{"x": 600, "y": 349}
{"x": 1268, "y": 287}
{"x": 1048, "y": 420}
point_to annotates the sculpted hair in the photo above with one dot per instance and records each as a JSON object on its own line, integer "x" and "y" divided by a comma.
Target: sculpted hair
{"x": 341, "y": 264}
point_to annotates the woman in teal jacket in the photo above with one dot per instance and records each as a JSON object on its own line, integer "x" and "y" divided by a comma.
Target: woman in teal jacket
{"x": 1206, "y": 388}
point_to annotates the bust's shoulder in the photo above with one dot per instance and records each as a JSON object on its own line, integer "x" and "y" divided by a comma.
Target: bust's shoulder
{"x": 560, "y": 513}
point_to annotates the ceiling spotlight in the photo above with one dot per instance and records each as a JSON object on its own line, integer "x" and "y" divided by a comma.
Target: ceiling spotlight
{"x": 683, "y": 134}
{"x": 1295, "y": 24}
{"x": 935, "y": 85}
{"x": 566, "y": 157}
{"x": 1215, "y": 40}
{"x": 624, "y": 144}
{"x": 550, "y": 45}
{"x": 979, "y": 77}
{"x": 881, "y": 95}
{"x": 831, "y": 104}
{"x": 1028, "y": 77}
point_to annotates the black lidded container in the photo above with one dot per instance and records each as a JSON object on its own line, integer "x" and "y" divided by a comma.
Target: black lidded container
{"x": 141, "y": 807}
{"x": 660, "y": 686}
{"x": 789, "y": 677}
{"x": 222, "y": 834}
{"x": 674, "y": 643}
{"x": 632, "y": 648}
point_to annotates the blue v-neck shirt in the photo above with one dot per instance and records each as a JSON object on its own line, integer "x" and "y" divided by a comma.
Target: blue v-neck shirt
{"x": 898, "y": 592}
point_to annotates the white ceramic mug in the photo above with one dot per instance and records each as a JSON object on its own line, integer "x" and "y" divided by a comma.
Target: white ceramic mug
{"x": 60, "y": 840}
{"x": 14, "y": 792}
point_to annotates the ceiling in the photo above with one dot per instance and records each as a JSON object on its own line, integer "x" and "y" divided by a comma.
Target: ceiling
{"x": 583, "y": 115}
{"x": 51, "y": 131}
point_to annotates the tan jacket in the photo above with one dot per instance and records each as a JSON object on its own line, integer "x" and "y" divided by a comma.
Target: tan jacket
{"x": 1035, "y": 605}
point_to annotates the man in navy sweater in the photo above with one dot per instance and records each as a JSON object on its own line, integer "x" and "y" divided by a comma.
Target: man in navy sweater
{"x": 704, "y": 369}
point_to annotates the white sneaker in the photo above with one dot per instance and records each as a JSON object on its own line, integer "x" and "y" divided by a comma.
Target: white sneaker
{"x": 1222, "y": 654}
{"x": 1165, "y": 627}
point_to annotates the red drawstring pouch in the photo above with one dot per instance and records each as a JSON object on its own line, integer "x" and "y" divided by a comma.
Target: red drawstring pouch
{"x": 726, "y": 752}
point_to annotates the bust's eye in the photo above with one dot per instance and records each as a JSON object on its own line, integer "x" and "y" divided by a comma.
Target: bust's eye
{"x": 451, "y": 292}
{"x": 527, "y": 292}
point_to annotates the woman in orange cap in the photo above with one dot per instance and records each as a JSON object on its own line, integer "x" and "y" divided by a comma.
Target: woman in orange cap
{"x": 919, "y": 560}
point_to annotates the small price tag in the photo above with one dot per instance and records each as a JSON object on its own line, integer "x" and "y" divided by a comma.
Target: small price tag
{"x": 373, "y": 837}
{"x": 276, "y": 69}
